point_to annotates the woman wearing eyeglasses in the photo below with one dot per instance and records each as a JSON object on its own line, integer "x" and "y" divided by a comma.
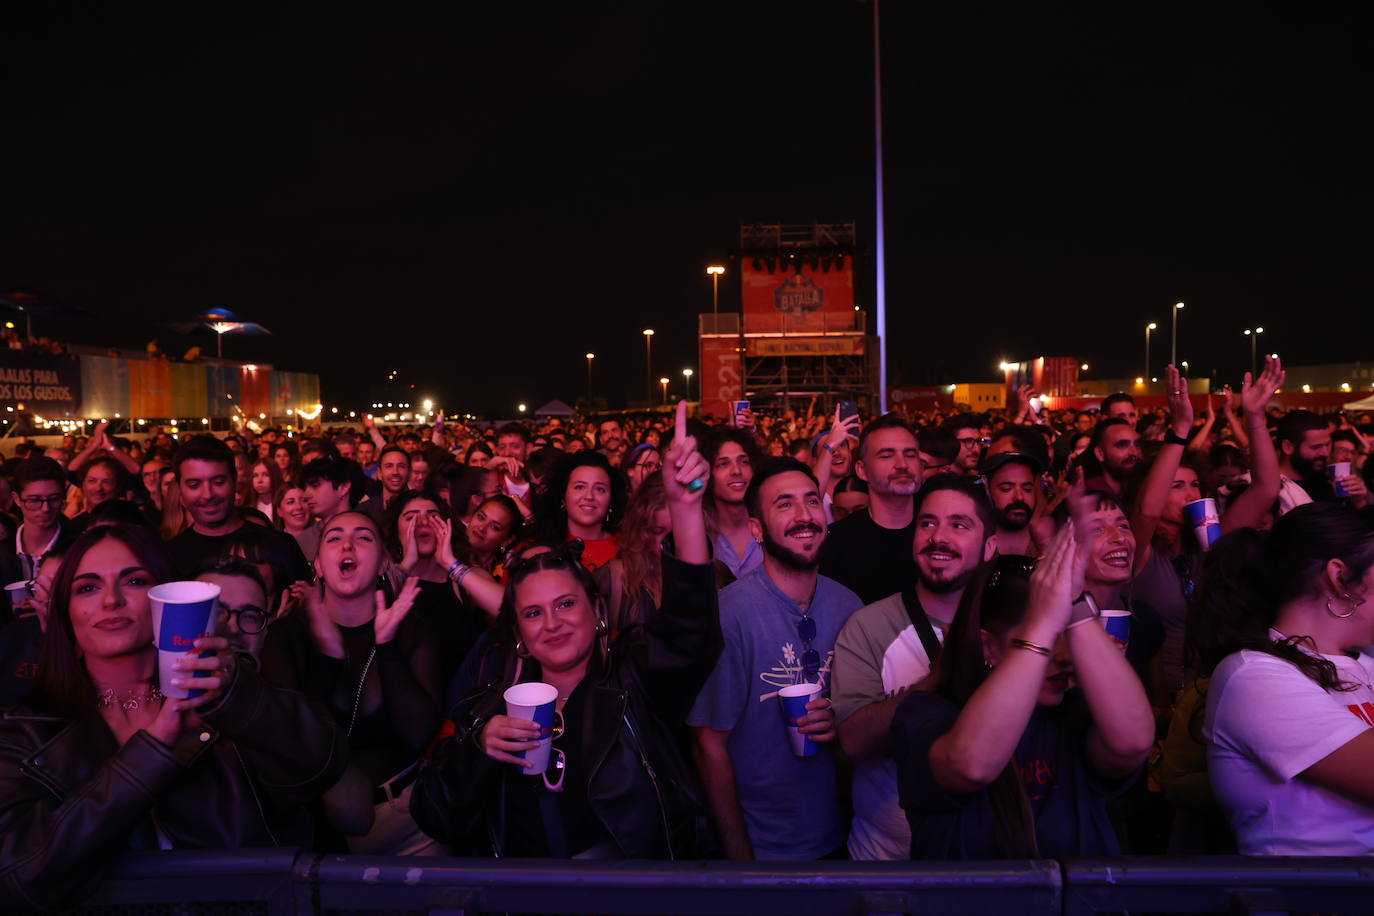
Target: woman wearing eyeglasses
{"x": 99, "y": 762}
{"x": 998, "y": 756}
{"x": 616, "y": 785}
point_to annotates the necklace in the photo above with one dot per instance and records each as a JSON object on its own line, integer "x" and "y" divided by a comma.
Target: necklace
{"x": 127, "y": 701}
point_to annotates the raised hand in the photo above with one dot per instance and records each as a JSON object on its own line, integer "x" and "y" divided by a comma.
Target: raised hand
{"x": 683, "y": 464}
{"x": 389, "y": 619}
{"x": 443, "y": 541}
{"x": 1180, "y": 406}
{"x": 1254, "y": 396}
{"x": 322, "y": 626}
{"x": 842, "y": 430}
{"x": 1053, "y": 584}
{"x": 410, "y": 547}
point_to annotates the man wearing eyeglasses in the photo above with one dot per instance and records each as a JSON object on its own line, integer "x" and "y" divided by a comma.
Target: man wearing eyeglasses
{"x": 243, "y": 601}
{"x": 779, "y": 624}
{"x": 973, "y": 442}
{"x": 42, "y": 488}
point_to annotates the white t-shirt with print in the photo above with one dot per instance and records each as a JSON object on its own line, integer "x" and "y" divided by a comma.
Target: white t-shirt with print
{"x": 1266, "y": 723}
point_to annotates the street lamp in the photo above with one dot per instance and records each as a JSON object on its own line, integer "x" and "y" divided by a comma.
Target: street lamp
{"x": 1173, "y": 342}
{"x": 715, "y": 270}
{"x": 687, "y": 374}
{"x": 649, "y": 364}
{"x": 1254, "y": 338}
{"x": 590, "y": 357}
{"x": 664, "y": 382}
{"x": 1148, "y": 328}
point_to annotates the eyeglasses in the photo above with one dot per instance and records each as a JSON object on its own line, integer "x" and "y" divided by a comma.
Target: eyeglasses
{"x": 971, "y": 442}
{"x": 810, "y": 658}
{"x": 558, "y": 761}
{"x": 38, "y": 502}
{"x": 248, "y": 619}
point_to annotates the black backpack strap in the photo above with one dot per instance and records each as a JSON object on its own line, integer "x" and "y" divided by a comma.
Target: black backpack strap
{"x": 924, "y": 629}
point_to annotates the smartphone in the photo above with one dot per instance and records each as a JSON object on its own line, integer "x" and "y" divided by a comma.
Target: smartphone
{"x": 849, "y": 409}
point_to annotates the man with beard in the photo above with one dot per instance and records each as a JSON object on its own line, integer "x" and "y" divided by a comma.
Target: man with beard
{"x": 870, "y": 551}
{"x": 1120, "y": 406}
{"x": 889, "y": 646}
{"x": 205, "y": 476}
{"x": 1304, "y": 444}
{"x": 393, "y": 472}
{"x": 610, "y": 441}
{"x": 779, "y": 624}
{"x": 1013, "y": 480}
{"x": 968, "y": 429}
{"x": 1116, "y": 445}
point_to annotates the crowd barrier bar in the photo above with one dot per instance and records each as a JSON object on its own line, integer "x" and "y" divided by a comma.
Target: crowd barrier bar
{"x": 288, "y": 883}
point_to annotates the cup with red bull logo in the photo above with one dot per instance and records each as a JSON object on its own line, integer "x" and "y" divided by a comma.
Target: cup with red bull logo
{"x": 1202, "y": 515}
{"x": 1118, "y": 624}
{"x": 182, "y": 613}
{"x": 1339, "y": 470}
{"x": 536, "y": 702}
{"x": 794, "y": 699}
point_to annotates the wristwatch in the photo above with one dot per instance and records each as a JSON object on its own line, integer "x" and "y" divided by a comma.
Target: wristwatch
{"x": 1173, "y": 438}
{"x": 1084, "y": 608}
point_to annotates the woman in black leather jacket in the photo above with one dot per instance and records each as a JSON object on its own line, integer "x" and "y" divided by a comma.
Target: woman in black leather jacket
{"x": 617, "y": 785}
{"x": 100, "y": 763}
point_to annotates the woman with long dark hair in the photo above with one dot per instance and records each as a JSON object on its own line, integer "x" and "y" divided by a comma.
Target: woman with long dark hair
{"x": 616, "y": 786}
{"x": 100, "y": 762}
{"x": 1000, "y": 757}
{"x": 585, "y": 500}
{"x": 633, "y": 581}
{"x": 1291, "y": 697}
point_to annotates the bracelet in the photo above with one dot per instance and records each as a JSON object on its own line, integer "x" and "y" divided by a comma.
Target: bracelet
{"x": 1173, "y": 438}
{"x": 463, "y": 574}
{"x": 828, "y": 447}
{"x": 457, "y": 569}
{"x": 1027, "y": 644}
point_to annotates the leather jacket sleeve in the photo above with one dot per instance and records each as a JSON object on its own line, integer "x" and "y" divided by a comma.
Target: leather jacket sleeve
{"x": 57, "y": 840}
{"x": 682, "y": 641}
{"x": 295, "y": 748}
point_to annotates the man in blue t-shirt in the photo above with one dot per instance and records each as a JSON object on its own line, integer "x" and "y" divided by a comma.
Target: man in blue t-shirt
{"x": 779, "y": 623}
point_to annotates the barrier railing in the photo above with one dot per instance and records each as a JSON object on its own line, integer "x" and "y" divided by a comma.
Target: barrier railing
{"x": 284, "y": 883}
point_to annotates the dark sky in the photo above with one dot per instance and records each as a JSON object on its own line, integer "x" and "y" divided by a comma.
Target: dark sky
{"x": 478, "y": 194}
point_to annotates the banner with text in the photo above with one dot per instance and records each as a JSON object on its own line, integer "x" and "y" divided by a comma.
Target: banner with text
{"x": 720, "y": 375}
{"x": 798, "y": 301}
{"x": 44, "y": 385}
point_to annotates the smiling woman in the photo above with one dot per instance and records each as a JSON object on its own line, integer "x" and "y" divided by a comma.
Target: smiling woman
{"x": 84, "y": 767}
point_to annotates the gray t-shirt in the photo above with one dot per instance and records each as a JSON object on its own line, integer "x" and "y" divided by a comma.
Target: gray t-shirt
{"x": 790, "y": 804}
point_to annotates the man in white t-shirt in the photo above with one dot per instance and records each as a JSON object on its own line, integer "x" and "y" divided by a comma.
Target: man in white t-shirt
{"x": 880, "y": 654}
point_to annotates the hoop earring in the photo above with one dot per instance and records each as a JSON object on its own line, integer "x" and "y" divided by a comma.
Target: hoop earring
{"x": 520, "y": 650}
{"x": 1354, "y": 606}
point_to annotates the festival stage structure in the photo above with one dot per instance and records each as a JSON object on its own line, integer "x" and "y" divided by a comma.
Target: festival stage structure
{"x": 799, "y": 333}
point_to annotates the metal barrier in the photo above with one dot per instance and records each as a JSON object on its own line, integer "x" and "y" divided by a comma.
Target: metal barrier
{"x": 286, "y": 883}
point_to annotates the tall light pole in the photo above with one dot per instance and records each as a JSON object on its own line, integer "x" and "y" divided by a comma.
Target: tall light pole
{"x": 1148, "y": 328}
{"x": 590, "y": 357}
{"x": 715, "y": 270}
{"x": 687, "y": 374}
{"x": 664, "y": 382}
{"x": 1173, "y": 343}
{"x": 880, "y": 247}
{"x": 1254, "y": 337}
{"x": 649, "y": 365}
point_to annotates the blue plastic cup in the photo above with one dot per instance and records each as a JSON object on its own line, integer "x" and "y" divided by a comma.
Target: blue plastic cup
{"x": 182, "y": 613}
{"x": 1338, "y": 471}
{"x": 1202, "y": 515}
{"x": 535, "y": 701}
{"x": 794, "y": 698}
{"x": 1118, "y": 624}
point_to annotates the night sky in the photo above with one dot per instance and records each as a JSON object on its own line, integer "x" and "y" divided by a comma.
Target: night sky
{"x": 478, "y": 194}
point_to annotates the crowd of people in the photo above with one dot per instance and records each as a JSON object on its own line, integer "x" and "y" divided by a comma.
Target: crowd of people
{"x": 795, "y": 635}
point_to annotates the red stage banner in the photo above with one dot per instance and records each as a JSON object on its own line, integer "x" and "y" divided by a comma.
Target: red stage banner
{"x": 801, "y": 301}
{"x": 720, "y": 375}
